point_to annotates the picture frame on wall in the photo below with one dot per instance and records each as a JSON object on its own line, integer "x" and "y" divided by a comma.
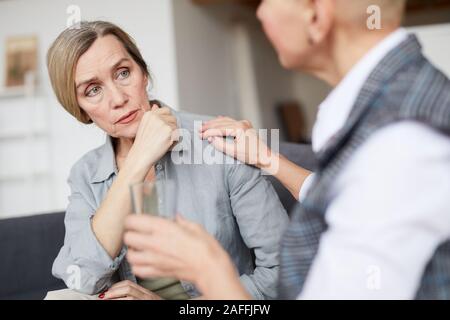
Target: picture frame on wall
{"x": 21, "y": 59}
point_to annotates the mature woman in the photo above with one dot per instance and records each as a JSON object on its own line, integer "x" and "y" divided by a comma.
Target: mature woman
{"x": 99, "y": 76}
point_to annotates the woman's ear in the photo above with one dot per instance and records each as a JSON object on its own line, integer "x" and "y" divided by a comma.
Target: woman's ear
{"x": 86, "y": 119}
{"x": 320, "y": 20}
{"x": 146, "y": 82}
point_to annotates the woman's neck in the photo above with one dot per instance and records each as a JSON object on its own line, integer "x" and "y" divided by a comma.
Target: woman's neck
{"x": 344, "y": 51}
{"x": 123, "y": 146}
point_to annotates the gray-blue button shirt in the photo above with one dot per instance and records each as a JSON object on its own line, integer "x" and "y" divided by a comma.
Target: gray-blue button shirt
{"x": 233, "y": 201}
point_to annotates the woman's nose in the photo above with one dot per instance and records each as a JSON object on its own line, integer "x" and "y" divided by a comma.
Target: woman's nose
{"x": 118, "y": 97}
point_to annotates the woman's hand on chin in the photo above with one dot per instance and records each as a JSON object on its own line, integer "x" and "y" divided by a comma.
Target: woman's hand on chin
{"x": 128, "y": 290}
{"x": 156, "y": 134}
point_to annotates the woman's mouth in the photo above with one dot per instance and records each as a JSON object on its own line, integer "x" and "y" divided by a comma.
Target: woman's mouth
{"x": 129, "y": 117}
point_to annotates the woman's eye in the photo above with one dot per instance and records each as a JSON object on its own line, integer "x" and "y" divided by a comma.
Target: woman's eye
{"x": 93, "y": 92}
{"x": 124, "y": 74}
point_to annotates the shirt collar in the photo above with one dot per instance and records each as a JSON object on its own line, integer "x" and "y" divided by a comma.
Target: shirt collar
{"x": 335, "y": 109}
{"x": 107, "y": 160}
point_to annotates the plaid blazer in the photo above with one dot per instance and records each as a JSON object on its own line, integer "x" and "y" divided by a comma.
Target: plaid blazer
{"x": 404, "y": 86}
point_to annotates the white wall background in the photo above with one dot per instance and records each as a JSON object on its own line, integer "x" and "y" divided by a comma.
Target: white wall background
{"x": 204, "y": 59}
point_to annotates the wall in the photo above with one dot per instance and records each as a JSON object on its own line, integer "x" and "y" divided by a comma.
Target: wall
{"x": 274, "y": 83}
{"x": 204, "y": 59}
{"x": 208, "y": 81}
{"x": 309, "y": 92}
{"x": 435, "y": 40}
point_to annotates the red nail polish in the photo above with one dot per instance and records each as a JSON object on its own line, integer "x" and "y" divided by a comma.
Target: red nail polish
{"x": 101, "y": 296}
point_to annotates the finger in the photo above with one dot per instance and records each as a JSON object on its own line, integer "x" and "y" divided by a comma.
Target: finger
{"x": 172, "y": 125}
{"x": 150, "y": 272}
{"x": 163, "y": 110}
{"x": 223, "y": 145}
{"x": 171, "y": 121}
{"x": 120, "y": 284}
{"x": 154, "y": 107}
{"x": 168, "y": 119}
{"x": 157, "y": 246}
{"x": 144, "y": 223}
{"x": 175, "y": 137}
{"x": 137, "y": 240}
{"x": 143, "y": 235}
{"x": 140, "y": 258}
{"x": 220, "y": 118}
{"x": 122, "y": 292}
{"x": 223, "y": 120}
{"x": 137, "y": 288}
{"x": 210, "y": 123}
{"x": 220, "y": 123}
{"x": 156, "y": 257}
{"x": 186, "y": 223}
{"x": 218, "y": 132}
{"x": 163, "y": 114}
{"x": 228, "y": 123}
{"x": 231, "y": 127}
{"x": 162, "y": 237}
{"x": 127, "y": 283}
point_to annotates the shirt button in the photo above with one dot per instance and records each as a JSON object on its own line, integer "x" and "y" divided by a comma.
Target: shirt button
{"x": 159, "y": 167}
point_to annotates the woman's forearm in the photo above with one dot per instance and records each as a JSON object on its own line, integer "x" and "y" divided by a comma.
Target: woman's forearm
{"x": 288, "y": 173}
{"x": 108, "y": 222}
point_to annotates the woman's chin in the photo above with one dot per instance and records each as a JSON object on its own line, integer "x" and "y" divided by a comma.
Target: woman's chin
{"x": 129, "y": 136}
{"x": 127, "y": 133}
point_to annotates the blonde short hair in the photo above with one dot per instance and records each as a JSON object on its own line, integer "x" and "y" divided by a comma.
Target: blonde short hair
{"x": 69, "y": 46}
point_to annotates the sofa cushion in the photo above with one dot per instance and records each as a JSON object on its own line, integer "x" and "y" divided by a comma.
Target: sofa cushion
{"x": 28, "y": 247}
{"x": 300, "y": 154}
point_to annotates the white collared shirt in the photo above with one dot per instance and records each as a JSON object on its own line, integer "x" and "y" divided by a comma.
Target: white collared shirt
{"x": 391, "y": 203}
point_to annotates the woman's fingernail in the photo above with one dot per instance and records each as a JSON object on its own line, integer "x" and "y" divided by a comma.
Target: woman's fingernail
{"x": 101, "y": 296}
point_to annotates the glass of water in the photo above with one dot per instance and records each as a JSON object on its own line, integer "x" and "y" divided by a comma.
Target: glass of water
{"x": 148, "y": 198}
{"x": 157, "y": 198}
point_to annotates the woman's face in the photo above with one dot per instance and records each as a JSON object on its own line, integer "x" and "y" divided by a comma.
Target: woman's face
{"x": 284, "y": 24}
{"x": 111, "y": 88}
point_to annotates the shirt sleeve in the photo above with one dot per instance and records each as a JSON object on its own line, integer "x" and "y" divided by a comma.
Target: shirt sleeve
{"x": 305, "y": 187}
{"x": 82, "y": 263}
{"x": 387, "y": 218}
{"x": 262, "y": 221}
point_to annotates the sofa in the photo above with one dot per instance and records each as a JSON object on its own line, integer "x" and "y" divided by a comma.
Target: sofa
{"x": 30, "y": 244}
